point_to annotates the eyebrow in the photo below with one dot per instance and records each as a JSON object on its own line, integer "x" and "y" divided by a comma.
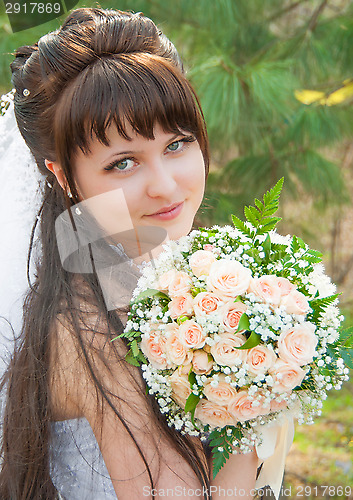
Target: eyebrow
{"x": 137, "y": 152}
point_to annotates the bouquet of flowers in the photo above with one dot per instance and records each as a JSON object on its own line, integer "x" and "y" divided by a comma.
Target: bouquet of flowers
{"x": 235, "y": 326}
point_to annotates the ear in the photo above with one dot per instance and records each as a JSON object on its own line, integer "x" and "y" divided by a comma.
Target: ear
{"x": 56, "y": 169}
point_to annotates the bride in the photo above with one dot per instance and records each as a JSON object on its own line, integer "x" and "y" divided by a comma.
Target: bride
{"x": 116, "y": 132}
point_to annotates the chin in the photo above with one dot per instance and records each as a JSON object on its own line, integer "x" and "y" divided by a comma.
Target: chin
{"x": 174, "y": 233}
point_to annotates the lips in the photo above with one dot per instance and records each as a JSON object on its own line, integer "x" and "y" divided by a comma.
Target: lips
{"x": 165, "y": 210}
{"x": 167, "y": 213}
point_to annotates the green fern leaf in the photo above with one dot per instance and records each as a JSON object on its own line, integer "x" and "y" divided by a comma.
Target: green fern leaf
{"x": 294, "y": 245}
{"x": 267, "y": 248}
{"x": 131, "y": 359}
{"x": 218, "y": 439}
{"x": 134, "y": 348}
{"x": 271, "y": 197}
{"x": 259, "y": 205}
{"x": 252, "y": 215}
{"x": 319, "y": 305}
{"x": 242, "y": 227}
{"x": 269, "y": 226}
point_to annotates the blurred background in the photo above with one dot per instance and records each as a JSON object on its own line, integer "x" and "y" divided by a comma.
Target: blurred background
{"x": 275, "y": 80}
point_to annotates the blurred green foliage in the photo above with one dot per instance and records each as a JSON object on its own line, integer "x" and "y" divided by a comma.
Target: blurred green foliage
{"x": 246, "y": 60}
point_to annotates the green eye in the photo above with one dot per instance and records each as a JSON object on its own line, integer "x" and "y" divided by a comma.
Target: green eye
{"x": 174, "y": 146}
{"x": 123, "y": 164}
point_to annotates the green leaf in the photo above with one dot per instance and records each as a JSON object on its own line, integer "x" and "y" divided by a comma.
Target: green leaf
{"x": 252, "y": 341}
{"x": 191, "y": 377}
{"x": 130, "y": 358}
{"x": 260, "y": 217}
{"x": 259, "y": 205}
{"x": 312, "y": 256}
{"x": 181, "y": 319}
{"x": 294, "y": 245}
{"x": 319, "y": 305}
{"x": 191, "y": 403}
{"x": 242, "y": 227}
{"x": 276, "y": 256}
{"x": 244, "y": 323}
{"x": 346, "y": 336}
{"x": 252, "y": 215}
{"x": 218, "y": 441}
{"x": 141, "y": 358}
{"x": 127, "y": 335}
{"x": 301, "y": 242}
{"x": 271, "y": 197}
{"x": 347, "y": 355}
{"x": 267, "y": 247}
{"x": 269, "y": 226}
{"x": 149, "y": 293}
{"x": 134, "y": 348}
{"x": 219, "y": 458}
{"x": 209, "y": 358}
{"x": 279, "y": 247}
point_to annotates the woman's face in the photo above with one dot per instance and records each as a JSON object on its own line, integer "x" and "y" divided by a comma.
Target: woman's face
{"x": 157, "y": 182}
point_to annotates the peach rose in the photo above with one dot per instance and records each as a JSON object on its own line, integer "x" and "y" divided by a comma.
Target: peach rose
{"x": 243, "y": 407}
{"x": 295, "y": 303}
{"x": 287, "y": 376}
{"x": 266, "y": 288}
{"x": 298, "y": 344}
{"x": 180, "y": 284}
{"x": 175, "y": 350}
{"x": 225, "y": 351}
{"x": 206, "y": 302}
{"x": 228, "y": 278}
{"x": 260, "y": 359}
{"x": 222, "y": 394}
{"x": 213, "y": 414}
{"x": 165, "y": 280}
{"x": 201, "y": 362}
{"x": 191, "y": 334}
{"x": 153, "y": 348}
{"x": 208, "y": 247}
{"x": 285, "y": 286}
{"x": 180, "y": 388}
{"x": 181, "y": 304}
{"x": 201, "y": 261}
{"x": 232, "y": 312}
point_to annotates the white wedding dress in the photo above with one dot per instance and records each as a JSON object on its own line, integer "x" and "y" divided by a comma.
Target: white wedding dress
{"x": 78, "y": 470}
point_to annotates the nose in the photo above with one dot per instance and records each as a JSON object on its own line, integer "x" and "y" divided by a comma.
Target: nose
{"x": 160, "y": 181}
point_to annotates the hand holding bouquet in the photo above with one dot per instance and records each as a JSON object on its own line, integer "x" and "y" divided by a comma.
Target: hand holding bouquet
{"x": 235, "y": 327}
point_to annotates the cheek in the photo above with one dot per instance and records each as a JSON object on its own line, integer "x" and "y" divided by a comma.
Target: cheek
{"x": 133, "y": 194}
{"x": 192, "y": 176}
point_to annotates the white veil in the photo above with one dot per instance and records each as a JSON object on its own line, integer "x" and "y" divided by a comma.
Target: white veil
{"x": 21, "y": 194}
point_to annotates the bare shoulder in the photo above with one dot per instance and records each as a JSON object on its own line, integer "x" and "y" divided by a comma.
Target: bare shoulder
{"x": 83, "y": 357}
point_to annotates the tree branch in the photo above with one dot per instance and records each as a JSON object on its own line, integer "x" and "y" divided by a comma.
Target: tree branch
{"x": 285, "y": 10}
{"x": 314, "y": 18}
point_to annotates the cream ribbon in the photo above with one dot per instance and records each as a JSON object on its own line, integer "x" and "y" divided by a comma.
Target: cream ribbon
{"x": 272, "y": 452}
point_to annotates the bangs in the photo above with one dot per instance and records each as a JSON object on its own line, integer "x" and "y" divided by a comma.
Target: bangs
{"x": 138, "y": 89}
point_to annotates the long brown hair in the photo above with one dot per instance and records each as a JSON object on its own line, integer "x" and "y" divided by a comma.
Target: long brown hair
{"x": 100, "y": 68}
